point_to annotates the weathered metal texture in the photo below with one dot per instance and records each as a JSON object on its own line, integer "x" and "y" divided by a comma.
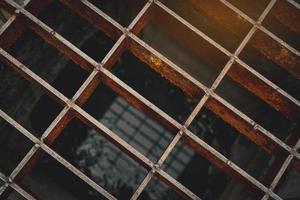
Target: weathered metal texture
{"x": 266, "y": 90}
{"x": 165, "y": 67}
{"x": 14, "y": 27}
{"x": 238, "y": 23}
{"x": 214, "y": 54}
{"x": 126, "y": 39}
{"x": 277, "y": 53}
{"x": 286, "y": 13}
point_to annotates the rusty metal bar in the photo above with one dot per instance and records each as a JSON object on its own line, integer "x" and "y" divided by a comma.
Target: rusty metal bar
{"x": 132, "y": 36}
{"x": 65, "y": 116}
{"x": 40, "y": 144}
{"x": 100, "y": 128}
{"x": 41, "y": 25}
{"x": 218, "y": 105}
{"x": 171, "y": 146}
{"x": 262, "y": 28}
{"x": 81, "y": 113}
{"x": 14, "y": 27}
{"x": 138, "y": 101}
{"x": 56, "y": 127}
{"x": 142, "y": 18}
{"x": 94, "y": 123}
{"x": 281, "y": 101}
{"x": 266, "y": 38}
{"x": 172, "y": 72}
{"x": 53, "y": 136}
{"x": 224, "y": 164}
{"x": 202, "y": 101}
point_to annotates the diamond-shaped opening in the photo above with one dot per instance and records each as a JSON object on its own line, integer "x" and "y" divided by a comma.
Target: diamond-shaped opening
{"x": 15, "y": 196}
{"x": 180, "y": 45}
{"x": 257, "y": 109}
{"x": 271, "y": 60}
{"x": 157, "y": 189}
{"x": 123, "y": 11}
{"x": 282, "y": 21}
{"x": 204, "y": 179}
{"x": 213, "y": 19}
{"x": 99, "y": 159}
{"x": 148, "y": 136}
{"x": 77, "y": 30}
{"x": 153, "y": 87}
{"x": 51, "y": 180}
{"x": 288, "y": 186}
{"x": 50, "y": 65}
{"x": 229, "y": 142}
{"x": 14, "y": 88}
{"x": 13, "y": 147}
{"x": 252, "y": 8}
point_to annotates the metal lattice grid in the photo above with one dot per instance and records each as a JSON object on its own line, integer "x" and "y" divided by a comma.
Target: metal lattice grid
{"x": 126, "y": 38}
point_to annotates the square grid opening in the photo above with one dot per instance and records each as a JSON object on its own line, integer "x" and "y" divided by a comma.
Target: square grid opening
{"x": 122, "y": 121}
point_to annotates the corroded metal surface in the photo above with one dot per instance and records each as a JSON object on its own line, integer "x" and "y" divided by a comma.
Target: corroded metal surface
{"x": 249, "y": 31}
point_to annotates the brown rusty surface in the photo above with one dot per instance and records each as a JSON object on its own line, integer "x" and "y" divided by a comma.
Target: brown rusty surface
{"x": 263, "y": 43}
{"x": 248, "y": 78}
{"x": 16, "y": 26}
{"x": 268, "y": 94}
{"x": 189, "y": 38}
{"x": 214, "y": 53}
{"x": 12, "y": 32}
{"x": 288, "y": 15}
{"x": 224, "y": 16}
{"x": 159, "y": 65}
{"x": 243, "y": 127}
{"x": 252, "y": 8}
{"x": 277, "y": 53}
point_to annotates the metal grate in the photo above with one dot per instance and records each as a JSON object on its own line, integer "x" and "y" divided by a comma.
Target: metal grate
{"x": 127, "y": 39}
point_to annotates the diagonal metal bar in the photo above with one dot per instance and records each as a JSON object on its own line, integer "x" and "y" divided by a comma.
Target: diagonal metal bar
{"x": 262, "y": 42}
{"x": 225, "y": 164}
{"x": 262, "y": 141}
{"x": 89, "y": 120}
{"x": 195, "y": 89}
{"x": 17, "y": 188}
{"x": 204, "y": 99}
{"x": 54, "y": 91}
{"x": 263, "y": 88}
{"x": 99, "y": 127}
{"x": 53, "y": 131}
{"x": 281, "y": 171}
{"x": 14, "y": 27}
{"x": 240, "y": 121}
{"x": 39, "y": 144}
